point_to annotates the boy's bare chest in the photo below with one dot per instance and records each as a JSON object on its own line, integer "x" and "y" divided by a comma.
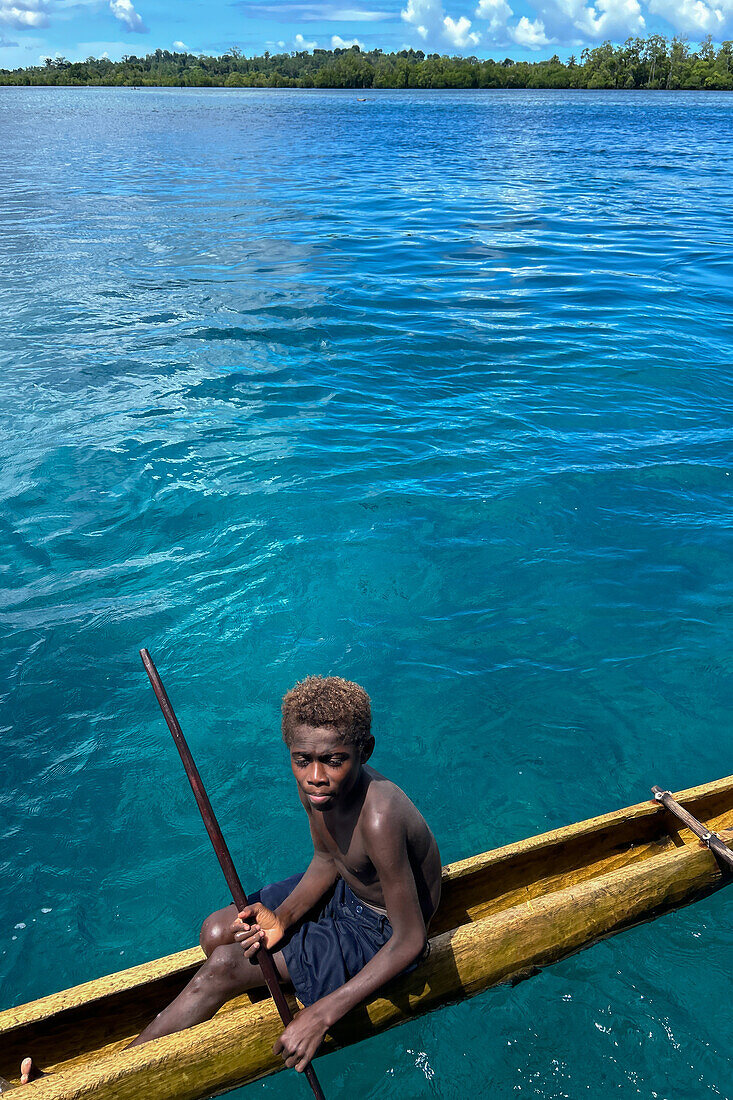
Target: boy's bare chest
{"x": 346, "y": 848}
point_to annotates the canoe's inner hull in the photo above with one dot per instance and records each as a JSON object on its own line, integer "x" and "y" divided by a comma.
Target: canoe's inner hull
{"x": 473, "y": 890}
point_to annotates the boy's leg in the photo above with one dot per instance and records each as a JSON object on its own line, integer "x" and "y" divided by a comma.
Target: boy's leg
{"x": 225, "y": 974}
{"x": 228, "y": 975}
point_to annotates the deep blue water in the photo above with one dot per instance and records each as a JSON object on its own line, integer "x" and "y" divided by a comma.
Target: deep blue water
{"x": 431, "y": 391}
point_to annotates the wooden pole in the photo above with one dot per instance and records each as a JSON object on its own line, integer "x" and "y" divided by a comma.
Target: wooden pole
{"x": 718, "y": 847}
{"x": 263, "y": 956}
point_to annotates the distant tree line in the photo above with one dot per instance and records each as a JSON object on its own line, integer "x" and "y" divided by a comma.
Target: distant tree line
{"x": 651, "y": 62}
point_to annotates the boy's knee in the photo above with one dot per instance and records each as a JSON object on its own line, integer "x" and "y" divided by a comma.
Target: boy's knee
{"x": 226, "y": 968}
{"x": 216, "y": 931}
{"x": 226, "y": 959}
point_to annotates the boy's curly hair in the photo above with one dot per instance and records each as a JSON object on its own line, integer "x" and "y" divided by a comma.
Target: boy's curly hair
{"x": 328, "y": 701}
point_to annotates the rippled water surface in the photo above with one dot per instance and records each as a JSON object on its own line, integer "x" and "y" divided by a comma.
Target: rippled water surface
{"x": 432, "y": 391}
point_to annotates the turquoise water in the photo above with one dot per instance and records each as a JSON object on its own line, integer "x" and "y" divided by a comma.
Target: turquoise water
{"x": 433, "y": 392}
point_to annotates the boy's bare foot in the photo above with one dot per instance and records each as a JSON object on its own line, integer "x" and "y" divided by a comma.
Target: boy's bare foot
{"x": 29, "y": 1072}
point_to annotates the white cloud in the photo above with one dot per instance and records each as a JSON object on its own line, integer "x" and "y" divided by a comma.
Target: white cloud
{"x": 311, "y": 11}
{"x": 692, "y": 16}
{"x": 281, "y": 44}
{"x": 338, "y": 43}
{"x": 424, "y": 15}
{"x": 458, "y": 32}
{"x": 301, "y": 44}
{"x": 180, "y": 45}
{"x": 434, "y": 26}
{"x": 23, "y": 13}
{"x": 356, "y": 15}
{"x": 606, "y": 19}
{"x": 530, "y": 34}
{"x": 124, "y": 10}
{"x": 495, "y": 12}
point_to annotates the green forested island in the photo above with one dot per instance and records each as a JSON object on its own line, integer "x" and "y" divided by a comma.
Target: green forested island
{"x": 651, "y": 62}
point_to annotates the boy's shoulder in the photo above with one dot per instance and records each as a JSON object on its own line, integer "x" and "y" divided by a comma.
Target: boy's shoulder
{"x": 384, "y": 792}
{"x": 388, "y": 809}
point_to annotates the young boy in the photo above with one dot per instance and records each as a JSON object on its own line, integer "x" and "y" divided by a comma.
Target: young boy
{"x": 357, "y": 917}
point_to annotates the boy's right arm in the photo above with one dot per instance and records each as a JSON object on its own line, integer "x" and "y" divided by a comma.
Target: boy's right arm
{"x": 319, "y": 877}
{"x": 257, "y": 924}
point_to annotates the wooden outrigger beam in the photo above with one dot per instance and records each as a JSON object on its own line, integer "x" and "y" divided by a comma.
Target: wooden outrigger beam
{"x": 713, "y": 840}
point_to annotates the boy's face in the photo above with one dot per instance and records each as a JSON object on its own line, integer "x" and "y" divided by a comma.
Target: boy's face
{"x": 326, "y": 768}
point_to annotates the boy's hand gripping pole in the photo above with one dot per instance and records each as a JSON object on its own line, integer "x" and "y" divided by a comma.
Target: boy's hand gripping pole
{"x": 263, "y": 956}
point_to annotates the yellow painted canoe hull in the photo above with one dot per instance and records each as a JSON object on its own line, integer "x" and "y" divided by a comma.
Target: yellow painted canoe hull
{"x": 504, "y": 914}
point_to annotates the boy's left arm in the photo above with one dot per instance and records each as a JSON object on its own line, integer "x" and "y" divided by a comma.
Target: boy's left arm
{"x": 386, "y": 845}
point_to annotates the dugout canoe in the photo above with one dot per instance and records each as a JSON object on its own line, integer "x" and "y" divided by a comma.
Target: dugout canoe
{"x": 503, "y": 915}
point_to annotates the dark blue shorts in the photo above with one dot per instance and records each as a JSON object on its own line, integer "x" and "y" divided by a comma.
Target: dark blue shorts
{"x": 332, "y": 943}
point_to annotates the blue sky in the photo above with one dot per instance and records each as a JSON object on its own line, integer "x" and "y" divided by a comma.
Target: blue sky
{"x": 33, "y": 29}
